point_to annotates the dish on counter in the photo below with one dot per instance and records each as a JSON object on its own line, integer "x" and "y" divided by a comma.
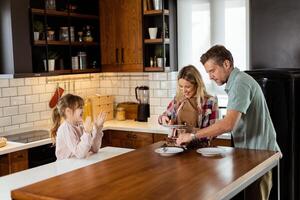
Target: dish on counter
{"x": 168, "y": 151}
{"x": 210, "y": 151}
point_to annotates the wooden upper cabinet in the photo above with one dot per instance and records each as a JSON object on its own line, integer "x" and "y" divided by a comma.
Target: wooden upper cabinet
{"x": 108, "y": 23}
{"x": 121, "y": 35}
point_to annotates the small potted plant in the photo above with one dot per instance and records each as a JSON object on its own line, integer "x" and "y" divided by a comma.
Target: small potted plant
{"x": 52, "y": 56}
{"x": 37, "y": 28}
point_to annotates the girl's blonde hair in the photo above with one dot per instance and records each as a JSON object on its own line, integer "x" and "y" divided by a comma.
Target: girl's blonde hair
{"x": 192, "y": 75}
{"x": 67, "y": 101}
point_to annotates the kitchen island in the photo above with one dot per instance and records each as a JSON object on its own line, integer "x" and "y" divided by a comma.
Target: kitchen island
{"x": 144, "y": 174}
{"x": 29, "y": 176}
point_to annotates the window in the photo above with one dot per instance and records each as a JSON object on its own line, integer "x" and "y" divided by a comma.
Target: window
{"x": 203, "y": 23}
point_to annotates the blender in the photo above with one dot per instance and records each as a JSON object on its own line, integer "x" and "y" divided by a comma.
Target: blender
{"x": 142, "y": 96}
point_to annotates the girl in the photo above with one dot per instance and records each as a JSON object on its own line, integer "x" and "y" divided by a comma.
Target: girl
{"x": 74, "y": 138}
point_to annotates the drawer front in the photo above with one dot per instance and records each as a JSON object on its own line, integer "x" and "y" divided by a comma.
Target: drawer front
{"x": 128, "y": 139}
{"x": 18, "y": 161}
{"x": 159, "y": 137}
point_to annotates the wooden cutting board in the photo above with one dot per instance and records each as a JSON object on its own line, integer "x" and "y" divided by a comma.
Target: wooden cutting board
{"x": 130, "y": 109}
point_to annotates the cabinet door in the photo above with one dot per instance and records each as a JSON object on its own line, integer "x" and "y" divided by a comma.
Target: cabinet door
{"x": 159, "y": 137}
{"x": 128, "y": 139}
{"x": 18, "y": 161}
{"x": 108, "y": 27}
{"x": 130, "y": 34}
{"x": 121, "y": 35}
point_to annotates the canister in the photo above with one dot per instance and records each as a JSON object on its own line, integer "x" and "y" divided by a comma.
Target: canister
{"x": 120, "y": 115}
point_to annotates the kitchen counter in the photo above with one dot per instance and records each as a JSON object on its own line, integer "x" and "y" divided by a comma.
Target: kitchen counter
{"x": 148, "y": 175}
{"x": 29, "y": 176}
{"x": 127, "y": 125}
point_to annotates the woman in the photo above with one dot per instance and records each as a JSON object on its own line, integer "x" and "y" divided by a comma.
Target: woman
{"x": 192, "y": 105}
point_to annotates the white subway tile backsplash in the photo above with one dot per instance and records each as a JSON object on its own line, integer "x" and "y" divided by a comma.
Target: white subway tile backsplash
{"x": 124, "y": 91}
{"x": 4, "y": 83}
{"x": 8, "y": 92}
{"x": 5, "y": 121}
{"x": 31, "y": 81}
{"x": 38, "y": 89}
{"x": 155, "y": 101}
{"x": 159, "y": 76}
{"x": 18, "y": 100}
{"x": 32, "y": 117}
{"x": 16, "y": 82}
{"x": 25, "y": 101}
{"x": 4, "y": 102}
{"x": 39, "y": 107}
{"x": 41, "y": 123}
{"x": 8, "y": 111}
{"x": 160, "y": 93}
{"x": 32, "y": 98}
{"x": 24, "y": 90}
{"x": 46, "y": 97}
{"x": 25, "y": 125}
{"x": 154, "y": 85}
{"x": 25, "y": 108}
{"x": 18, "y": 119}
{"x": 46, "y": 114}
{"x": 10, "y": 128}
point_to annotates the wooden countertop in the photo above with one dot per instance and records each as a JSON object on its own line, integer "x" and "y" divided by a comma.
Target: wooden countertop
{"x": 144, "y": 174}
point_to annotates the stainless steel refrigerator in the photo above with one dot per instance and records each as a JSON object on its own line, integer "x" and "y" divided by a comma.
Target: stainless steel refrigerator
{"x": 281, "y": 88}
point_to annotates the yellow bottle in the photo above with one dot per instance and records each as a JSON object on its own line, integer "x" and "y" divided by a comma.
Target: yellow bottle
{"x": 87, "y": 109}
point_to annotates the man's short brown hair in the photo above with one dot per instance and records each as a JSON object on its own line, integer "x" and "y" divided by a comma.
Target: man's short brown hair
{"x": 219, "y": 54}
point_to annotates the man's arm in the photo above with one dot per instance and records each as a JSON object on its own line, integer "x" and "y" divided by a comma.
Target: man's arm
{"x": 222, "y": 126}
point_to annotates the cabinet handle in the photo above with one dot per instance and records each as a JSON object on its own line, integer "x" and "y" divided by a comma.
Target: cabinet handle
{"x": 117, "y": 55}
{"x": 122, "y": 55}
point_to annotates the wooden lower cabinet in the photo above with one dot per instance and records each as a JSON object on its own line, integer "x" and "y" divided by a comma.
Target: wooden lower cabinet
{"x": 13, "y": 162}
{"x": 159, "y": 137}
{"x": 128, "y": 139}
{"x": 221, "y": 142}
{"x": 135, "y": 140}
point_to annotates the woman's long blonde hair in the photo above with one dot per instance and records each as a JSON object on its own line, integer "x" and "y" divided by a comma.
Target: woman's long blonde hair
{"x": 67, "y": 101}
{"x": 192, "y": 75}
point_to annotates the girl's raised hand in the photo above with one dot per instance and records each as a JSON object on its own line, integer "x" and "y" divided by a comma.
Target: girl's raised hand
{"x": 88, "y": 125}
{"x": 100, "y": 120}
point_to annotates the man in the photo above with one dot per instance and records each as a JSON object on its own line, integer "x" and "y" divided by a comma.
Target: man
{"x": 247, "y": 115}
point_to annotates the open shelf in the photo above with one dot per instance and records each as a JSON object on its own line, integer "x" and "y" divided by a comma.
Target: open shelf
{"x": 156, "y": 12}
{"x": 154, "y": 69}
{"x": 62, "y": 13}
{"x": 157, "y": 41}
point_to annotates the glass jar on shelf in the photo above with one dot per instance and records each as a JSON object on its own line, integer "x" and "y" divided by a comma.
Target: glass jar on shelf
{"x": 64, "y": 34}
{"x": 88, "y": 34}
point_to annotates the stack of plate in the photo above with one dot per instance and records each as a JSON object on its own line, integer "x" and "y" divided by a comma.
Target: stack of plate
{"x": 210, "y": 151}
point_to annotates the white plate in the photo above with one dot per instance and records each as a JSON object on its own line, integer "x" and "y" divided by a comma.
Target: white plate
{"x": 168, "y": 151}
{"x": 210, "y": 151}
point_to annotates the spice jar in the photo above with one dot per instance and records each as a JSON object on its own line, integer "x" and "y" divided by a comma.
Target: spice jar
{"x": 120, "y": 115}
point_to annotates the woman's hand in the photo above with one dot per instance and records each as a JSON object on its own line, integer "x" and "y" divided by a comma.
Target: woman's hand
{"x": 88, "y": 125}
{"x": 100, "y": 120}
